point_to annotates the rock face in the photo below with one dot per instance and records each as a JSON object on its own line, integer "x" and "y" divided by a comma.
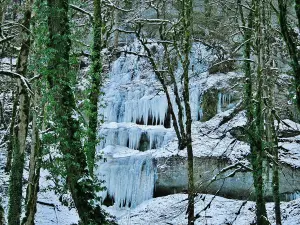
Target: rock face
{"x": 172, "y": 178}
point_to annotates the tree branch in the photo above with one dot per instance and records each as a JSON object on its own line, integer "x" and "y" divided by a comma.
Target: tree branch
{"x": 90, "y": 15}
{"x": 6, "y": 39}
{"x": 23, "y": 79}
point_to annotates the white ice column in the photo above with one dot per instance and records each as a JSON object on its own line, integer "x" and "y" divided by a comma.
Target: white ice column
{"x": 128, "y": 180}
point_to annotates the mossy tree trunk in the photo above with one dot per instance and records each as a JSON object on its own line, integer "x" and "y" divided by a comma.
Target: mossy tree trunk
{"x": 67, "y": 127}
{"x": 19, "y": 143}
{"x": 254, "y": 105}
{"x": 187, "y": 17}
{"x": 272, "y": 148}
{"x": 11, "y": 133}
{"x": 96, "y": 80}
{"x": 3, "y": 6}
{"x": 271, "y": 134}
{"x": 291, "y": 44}
{"x": 258, "y": 154}
{"x": 34, "y": 164}
{"x": 2, "y": 122}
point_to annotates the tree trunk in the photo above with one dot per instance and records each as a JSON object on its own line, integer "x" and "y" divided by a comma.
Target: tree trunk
{"x": 272, "y": 143}
{"x": 275, "y": 178}
{"x": 297, "y": 9}
{"x": 258, "y": 148}
{"x": 291, "y": 45}
{"x": 16, "y": 174}
{"x": 269, "y": 87}
{"x": 2, "y": 215}
{"x": 11, "y": 133}
{"x": 1, "y": 115}
{"x": 96, "y": 80}
{"x": 254, "y": 110}
{"x": 3, "y": 7}
{"x": 34, "y": 166}
{"x": 116, "y": 24}
{"x": 188, "y": 30}
{"x": 78, "y": 178}
{"x": 183, "y": 131}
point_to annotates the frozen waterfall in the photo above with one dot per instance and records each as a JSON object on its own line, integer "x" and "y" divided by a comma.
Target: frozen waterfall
{"x": 129, "y": 180}
{"x": 133, "y": 94}
{"x": 137, "y": 118}
{"x": 134, "y": 136}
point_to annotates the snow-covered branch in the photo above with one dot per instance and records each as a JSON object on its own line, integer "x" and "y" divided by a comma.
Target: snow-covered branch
{"x": 77, "y": 8}
{"x": 152, "y": 21}
{"x": 6, "y": 39}
{"x": 134, "y": 53}
{"x": 23, "y": 79}
{"x": 112, "y": 5}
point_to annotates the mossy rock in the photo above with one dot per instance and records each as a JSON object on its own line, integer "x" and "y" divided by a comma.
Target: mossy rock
{"x": 209, "y": 104}
{"x": 144, "y": 143}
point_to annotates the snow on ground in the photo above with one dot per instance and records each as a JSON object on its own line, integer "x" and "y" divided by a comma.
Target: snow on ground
{"x": 56, "y": 214}
{"x": 172, "y": 210}
{"x": 290, "y": 153}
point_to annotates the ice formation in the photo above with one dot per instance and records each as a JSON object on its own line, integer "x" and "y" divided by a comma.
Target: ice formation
{"x": 137, "y": 117}
{"x": 133, "y": 94}
{"x": 224, "y": 101}
{"x": 131, "y": 135}
{"x": 128, "y": 180}
{"x": 195, "y": 103}
{"x": 292, "y": 196}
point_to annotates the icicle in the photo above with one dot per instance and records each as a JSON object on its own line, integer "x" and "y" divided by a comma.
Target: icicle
{"x": 195, "y": 102}
{"x": 134, "y": 138}
{"x": 200, "y": 114}
{"x": 145, "y": 109}
{"x": 129, "y": 135}
{"x": 292, "y": 196}
{"x": 128, "y": 180}
{"x": 219, "y": 106}
{"x": 156, "y": 140}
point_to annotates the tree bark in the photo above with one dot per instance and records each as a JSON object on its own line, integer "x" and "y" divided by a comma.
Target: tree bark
{"x": 275, "y": 178}
{"x": 34, "y": 166}
{"x": 2, "y": 215}
{"x": 188, "y": 30}
{"x": 96, "y": 81}
{"x": 2, "y": 120}
{"x": 11, "y": 133}
{"x": 3, "y": 7}
{"x": 78, "y": 177}
{"x": 291, "y": 45}
{"x": 16, "y": 174}
{"x": 254, "y": 108}
{"x": 258, "y": 153}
